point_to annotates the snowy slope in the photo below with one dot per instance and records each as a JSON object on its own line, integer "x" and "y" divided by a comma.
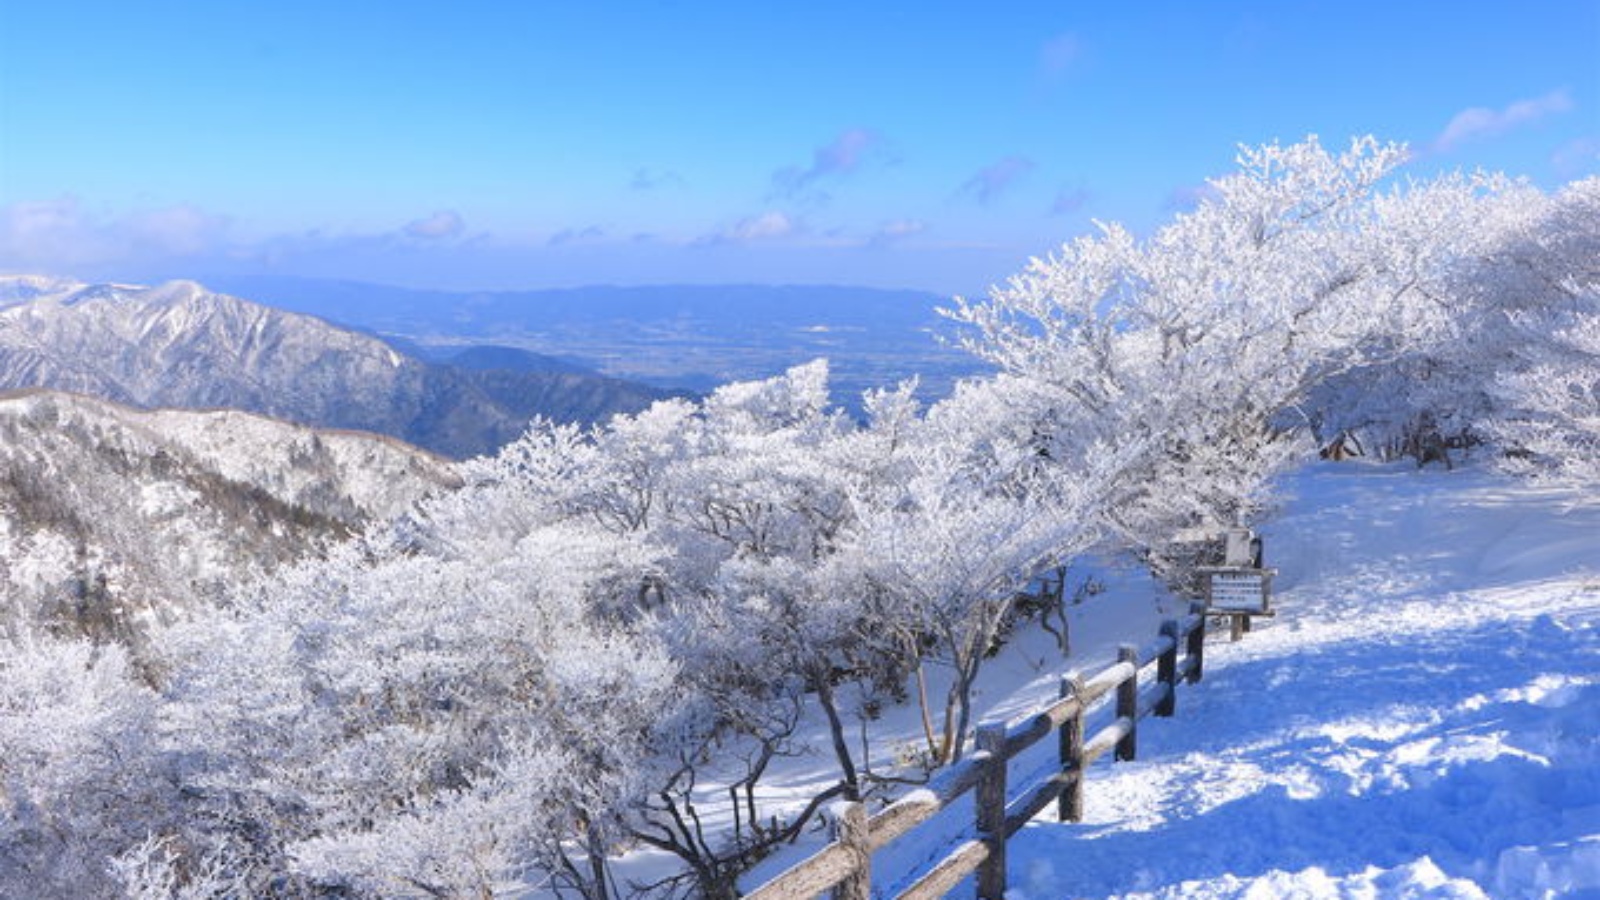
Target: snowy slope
{"x": 377, "y": 476}
{"x": 1423, "y": 719}
{"x": 107, "y": 511}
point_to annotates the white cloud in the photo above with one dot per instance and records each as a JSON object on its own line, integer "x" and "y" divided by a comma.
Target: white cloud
{"x": 1482, "y": 122}
{"x": 576, "y": 236}
{"x": 898, "y": 229}
{"x": 40, "y": 234}
{"x": 766, "y": 226}
{"x": 442, "y": 225}
{"x": 61, "y": 234}
{"x": 177, "y": 230}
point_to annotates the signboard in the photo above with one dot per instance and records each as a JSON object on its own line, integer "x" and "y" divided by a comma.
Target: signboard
{"x": 1239, "y": 591}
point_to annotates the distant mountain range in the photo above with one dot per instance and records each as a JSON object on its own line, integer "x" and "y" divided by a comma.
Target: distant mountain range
{"x": 181, "y": 345}
{"x": 457, "y": 373}
{"x": 109, "y": 514}
{"x": 691, "y": 337}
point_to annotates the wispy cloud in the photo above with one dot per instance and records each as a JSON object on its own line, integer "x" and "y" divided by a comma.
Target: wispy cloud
{"x": 768, "y": 226}
{"x": 442, "y": 225}
{"x": 1059, "y": 55}
{"x": 1482, "y": 122}
{"x": 181, "y": 230}
{"x": 897, "y": 230}
{"x": 1070, "y": 199}
{"x": 60, "y": 234}
{"x": 576, "y": 236}
{"x": 65, "y": 236}
{"x": 648, "y": 179}
{"x": 991, "y": 181}
{"x": 844, "y": 154}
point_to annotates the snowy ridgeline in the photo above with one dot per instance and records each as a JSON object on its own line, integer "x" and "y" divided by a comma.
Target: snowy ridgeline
{"x": 110, "y": 513}
{"x": 180, "y": 345}
{"x": 1421, "y": 720}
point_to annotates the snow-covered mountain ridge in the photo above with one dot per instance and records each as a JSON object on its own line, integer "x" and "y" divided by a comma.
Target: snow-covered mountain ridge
{"x": 110, "y": 508}
{"x": 348, "y": 475}
{"x": 180, "y": 345}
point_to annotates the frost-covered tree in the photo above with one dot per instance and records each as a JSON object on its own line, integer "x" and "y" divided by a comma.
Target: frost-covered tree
{"x": 369, "y": 725}
{"x": 80, "y": 779}
{"x": 1292, "y": 300}
{"x": 1548, "y": 406}
{"x": 154, "y": 870}
{"x": 952, "y": 532}
{"x": 1489, "y": 256}
{"x": 754, "y": 604}
{"x": 1549, "y": 424}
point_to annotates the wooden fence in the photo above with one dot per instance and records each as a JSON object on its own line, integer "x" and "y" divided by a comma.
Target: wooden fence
{"x": 845, "y": 864}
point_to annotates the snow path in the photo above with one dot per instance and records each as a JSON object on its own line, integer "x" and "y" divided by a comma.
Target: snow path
{"x": 1422, "y": 719}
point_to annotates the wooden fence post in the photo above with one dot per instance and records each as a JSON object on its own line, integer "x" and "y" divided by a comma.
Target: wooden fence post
{"x": 1069, "y": 806}
{"x": 1128, "y": 704}
{"x": 990, "y": 799}
{"x": 1197, "y": 643}
{"x": 1167, "y": 670}
{"x": 850, "y": 830}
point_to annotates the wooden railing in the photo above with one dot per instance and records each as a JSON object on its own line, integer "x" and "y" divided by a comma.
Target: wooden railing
{"x": 845, "y": 864}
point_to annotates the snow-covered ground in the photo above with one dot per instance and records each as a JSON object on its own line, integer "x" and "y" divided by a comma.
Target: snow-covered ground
{"x": 1421, "y": 720}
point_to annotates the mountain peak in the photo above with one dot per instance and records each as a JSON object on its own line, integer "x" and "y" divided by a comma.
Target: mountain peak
{"x": 181, "y": 345}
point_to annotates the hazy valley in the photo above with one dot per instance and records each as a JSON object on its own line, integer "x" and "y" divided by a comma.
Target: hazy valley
{"x": 678, "y": 337}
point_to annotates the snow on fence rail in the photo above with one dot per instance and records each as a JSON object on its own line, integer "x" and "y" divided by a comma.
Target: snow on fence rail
{"x": 845, "y": 864}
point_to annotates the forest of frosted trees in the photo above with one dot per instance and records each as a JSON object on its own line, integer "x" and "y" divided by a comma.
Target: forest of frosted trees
{"x": 535, "y": 672}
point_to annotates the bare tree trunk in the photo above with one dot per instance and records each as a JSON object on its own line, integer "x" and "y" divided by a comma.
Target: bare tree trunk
{"x": 947, "y": 746}
{"x": 841, "y": 747}
{"x": 961, "y": 697}
{"x": 927, "y": 716}
{"x": 597, "y": 865}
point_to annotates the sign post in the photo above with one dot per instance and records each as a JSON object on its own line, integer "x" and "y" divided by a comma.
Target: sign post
{"x": 1241, "y": 588}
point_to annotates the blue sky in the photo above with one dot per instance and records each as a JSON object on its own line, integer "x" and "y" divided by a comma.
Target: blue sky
{"x": 481, "y": 144}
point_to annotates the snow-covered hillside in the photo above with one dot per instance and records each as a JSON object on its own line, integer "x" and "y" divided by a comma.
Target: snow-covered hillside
{"x": 1422, "y": 719}
{"x": 106, "y": 511}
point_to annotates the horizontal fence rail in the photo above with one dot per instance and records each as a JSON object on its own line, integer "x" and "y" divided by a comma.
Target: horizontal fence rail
{"x": 845, "y": 864}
